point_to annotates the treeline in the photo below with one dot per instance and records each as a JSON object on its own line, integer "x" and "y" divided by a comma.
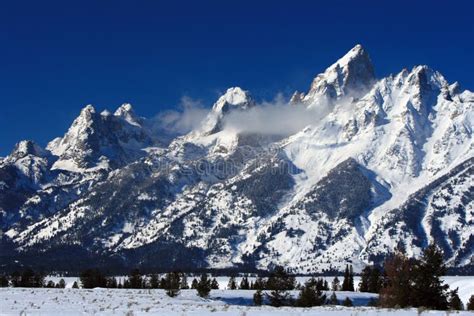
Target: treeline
{"x": 28, "y": 278}
{"x": 401, "y": 282}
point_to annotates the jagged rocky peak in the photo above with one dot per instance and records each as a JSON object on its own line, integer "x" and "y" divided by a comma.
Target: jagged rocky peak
{"x": 426, "y": 79}
{"x": 25, "y": 148}
{"x": 126, "y": 112}
{"x": 353, "y": 74}
{"x": 234, "y": 99}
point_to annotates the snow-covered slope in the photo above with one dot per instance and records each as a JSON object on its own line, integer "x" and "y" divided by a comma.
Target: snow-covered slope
{"x": 385, "y": 164}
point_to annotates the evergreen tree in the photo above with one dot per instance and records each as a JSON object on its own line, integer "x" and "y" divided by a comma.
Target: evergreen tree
{"x": 154, "y": 281}
{"x": 399, "y": 287}
{"x": 50, "y": 284}
{"x": 194, "y": 284}
{"x": 173, "y": 282}
{"x": 232, "y": 285}
{"x": 429, "y": 290}
{"x": 455, "y": 302}
{"x": 259, "y": 284}
{"x": 364, "y": 279}
{"x": 336, "y": 284}
{"x": 29, "y": 278}
{"x": 204, "y": 286}
{"x": 214, "y": 284}
{"x": 470, "y": 304}
{"x": 92, "y": 278}
{"x": 280, "y": 282}
{"x": 184, "y": 282}
{"x": 135, "y": 279}
{"x": 15, "y": 279}
{"x": 371, "y": 280}
{"x": 345, "y": 281}
{"x": 62, "y": 284}
{"x": 311, "y": 294}
{"x": 162, "y": 283}
{"x": 126, "y": 284}
{"x": 3, "y": 281}
{"x": 375, "y": 280}
{"x": 74, "y": 285}
{"x": 112, "y": 283}
{"x": 333, "y": 299}
{"x": 258, "y": 297}
{"x": 244, "y": 284}
{"x": 347, "y": 302}
{"x": 326, "y": 285}
{"x": 350, "y": 286}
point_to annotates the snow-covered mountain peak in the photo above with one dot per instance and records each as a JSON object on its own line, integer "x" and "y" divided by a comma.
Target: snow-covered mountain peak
{"x": 126, "y": 112}
{"x": 87, "y": 110}
{"x": 25, "y": 148}
{"x": 353, "y": 74}
{"x": 234, "y": 98}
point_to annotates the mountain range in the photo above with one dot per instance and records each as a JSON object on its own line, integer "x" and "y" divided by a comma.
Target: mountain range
{"x": 376, "y": 165}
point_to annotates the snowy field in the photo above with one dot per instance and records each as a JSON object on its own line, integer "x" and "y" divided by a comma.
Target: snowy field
{"x": 43, "y": 301}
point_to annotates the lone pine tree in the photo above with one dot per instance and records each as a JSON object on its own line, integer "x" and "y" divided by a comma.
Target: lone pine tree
{"x": 203, "y": 286}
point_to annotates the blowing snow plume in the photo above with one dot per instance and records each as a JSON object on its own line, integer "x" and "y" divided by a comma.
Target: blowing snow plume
{"x": 188, "y": 117}
{"x": 275, "y": 118}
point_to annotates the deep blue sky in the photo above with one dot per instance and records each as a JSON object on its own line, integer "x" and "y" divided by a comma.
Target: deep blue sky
{"x": 57, "y": 56}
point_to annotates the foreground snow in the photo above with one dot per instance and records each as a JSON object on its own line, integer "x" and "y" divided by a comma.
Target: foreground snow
{"x": 465, "y": 284}
{"x": 23, "y": 301}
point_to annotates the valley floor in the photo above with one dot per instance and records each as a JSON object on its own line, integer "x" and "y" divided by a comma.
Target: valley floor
{"x": 44, "y": 301}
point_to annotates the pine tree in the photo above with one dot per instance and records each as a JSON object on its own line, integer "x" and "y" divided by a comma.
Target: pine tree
{"x": 162, "y": 283}
{"x": 3, "y": 281}
{"x": 350, "y": 286}
{"x": 173, "y": 281}
{"x": 135, "y": 279}
{"x": 279, "y": 283}
{"x": 429, "y": 290}
{"x": 258, "y": 297}
{"x": 214, "y": 284}
{"x": 232, "y": 285}
{"x": 74, "y": 285}
{"x": 311, "y": 294}
{"x": 375, "y": 280}
{"x": 470, "y": 304}
{"x": 203, "y": 286}
{"x": 345, "y": 281}
{"x": 184, "y": 282}
{"x": 333, "y": 299}
{"x": 326, "y": 285}
{"x": 371, "y": 280}
{"x": 126, "y": 284}
{"x": 336, "y": 284}
{"x": 92, "y": 278}
{"x": 112, "y": 282}
{"x": 154, "y": 281}
{"x": 259, "y": 284}
{"x": 347, "y": 302}
{"x": 194, "y": 284}
{"x": 50, "y": 284}
{"x": 15, "y": 279}
{"x": 364, "y": 279}
{"x": 244, "y": 284}
{"x": 455, "y": 302}
{"x": 62, "y": 284}
{"x": 399, "y": 287}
